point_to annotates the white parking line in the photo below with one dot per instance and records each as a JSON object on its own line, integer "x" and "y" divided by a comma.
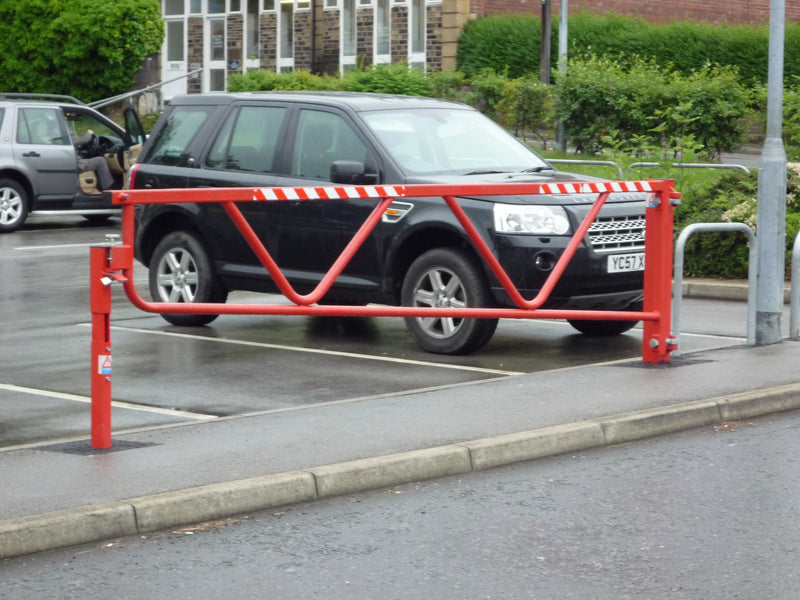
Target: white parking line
{"x": 56, "y": 246}
{"x": 405, "y": 361}
{"x": 114, "y": 403}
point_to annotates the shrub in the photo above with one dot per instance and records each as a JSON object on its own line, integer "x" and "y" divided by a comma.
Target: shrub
{"x": 651, "y": 107}
{"x": 505, "y": 44}
{"x": 90, "y": 49}
{"x": 732, "y": 199}
{"x": 388, "y": 79}
{"x": 262, "y": 80}
{"x": 512, "y": 44}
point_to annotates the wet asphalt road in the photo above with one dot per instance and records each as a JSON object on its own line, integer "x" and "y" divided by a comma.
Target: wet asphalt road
{"x": 710, "y": 513}
{"x": 240, "y": 364}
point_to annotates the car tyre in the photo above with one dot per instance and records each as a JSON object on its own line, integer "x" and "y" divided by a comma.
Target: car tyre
{"x": 13, "y": 205}
{"x": 447, "y": 277}
{"x": 181, "y": 271}
{"x": 605, "y": 328}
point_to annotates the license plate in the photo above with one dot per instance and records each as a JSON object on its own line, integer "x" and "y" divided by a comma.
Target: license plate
{"x": 624, "y": 263}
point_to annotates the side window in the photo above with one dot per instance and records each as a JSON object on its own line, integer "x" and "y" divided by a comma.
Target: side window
{"x": 172, "y": 142}
{"x": 41, "y": 126}
{"x": 323, "y": 137}
{"x": 79, "y": 123}
{"x": 248, "y": 140}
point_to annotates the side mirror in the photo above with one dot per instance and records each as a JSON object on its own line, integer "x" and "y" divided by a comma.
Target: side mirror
{"x": 351, "y": 172}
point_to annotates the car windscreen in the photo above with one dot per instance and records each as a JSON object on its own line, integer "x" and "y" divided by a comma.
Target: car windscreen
{"x": 444, "y": 140}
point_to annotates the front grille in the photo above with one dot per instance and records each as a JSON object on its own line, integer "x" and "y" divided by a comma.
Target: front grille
{"x": 612, "y": 234}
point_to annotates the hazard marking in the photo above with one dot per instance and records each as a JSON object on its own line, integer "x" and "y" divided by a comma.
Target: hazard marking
{"x": 104, "y": 364}
{"x": 327, "y": 193}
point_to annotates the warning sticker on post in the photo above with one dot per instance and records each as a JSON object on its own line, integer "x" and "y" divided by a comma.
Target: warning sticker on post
{"x": 104, "y": 364}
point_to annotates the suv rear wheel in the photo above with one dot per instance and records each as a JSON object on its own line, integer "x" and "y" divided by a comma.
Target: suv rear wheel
{"x": 13, "y": 205}
{"x": 604, "y": 328}
{"x": 181, "y": 271}
{"x": 447, "y": 278}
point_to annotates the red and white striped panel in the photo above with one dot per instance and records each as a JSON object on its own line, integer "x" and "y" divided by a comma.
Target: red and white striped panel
{"x": 328, "y": 193}
{"x": 598, "y": 187}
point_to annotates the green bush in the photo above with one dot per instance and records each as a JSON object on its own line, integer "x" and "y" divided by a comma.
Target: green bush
{"x": 90, "y": 49}
{"x": 791, "y": 119}
{"x": 657, "y": 111}
{"x": 731, "y": 199}
{"x": 394, "y": 79}
{"x": 505, "y": 44}
{"x": 262, "y": 80}
{"x": 389, "y": 79}
{"x": 512, "y": 44}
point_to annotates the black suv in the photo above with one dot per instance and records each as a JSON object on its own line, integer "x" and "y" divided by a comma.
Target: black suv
{"x": 40, "y": 164}
{"x": 418, "y": 255}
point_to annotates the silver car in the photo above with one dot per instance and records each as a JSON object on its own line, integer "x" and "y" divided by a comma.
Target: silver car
{"x": 43, "y": 168}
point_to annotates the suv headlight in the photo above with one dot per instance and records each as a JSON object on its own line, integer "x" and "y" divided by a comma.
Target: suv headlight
{"x": 530, "y": 219}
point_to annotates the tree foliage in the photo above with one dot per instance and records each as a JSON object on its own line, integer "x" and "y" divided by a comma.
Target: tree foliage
{"x": 90, "y": 49}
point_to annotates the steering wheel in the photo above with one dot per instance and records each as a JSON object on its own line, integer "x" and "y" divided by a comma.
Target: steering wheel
{"x": 89, "y": 148}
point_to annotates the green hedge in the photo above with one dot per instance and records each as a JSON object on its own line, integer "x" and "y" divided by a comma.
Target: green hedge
{"x": 511, "y": 44}
{"x": 604, "y": 101}
{"x": 731, "y": 199}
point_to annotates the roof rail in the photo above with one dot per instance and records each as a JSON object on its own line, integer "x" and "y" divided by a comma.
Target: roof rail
{"x": 58, "y": 97}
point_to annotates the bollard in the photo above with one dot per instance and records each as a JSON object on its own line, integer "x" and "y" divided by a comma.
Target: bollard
{"x": 100, "y": 290}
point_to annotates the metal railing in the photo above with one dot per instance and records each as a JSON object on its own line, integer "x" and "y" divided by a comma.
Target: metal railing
{"x": 752, "y": 274}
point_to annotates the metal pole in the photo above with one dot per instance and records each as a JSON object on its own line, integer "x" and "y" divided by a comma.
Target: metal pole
{"x": 772, "y": 193}
{"x": 544, "y": 52}
{"x": 563, "y": 12}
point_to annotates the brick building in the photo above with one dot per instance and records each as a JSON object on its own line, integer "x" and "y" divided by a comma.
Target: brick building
{"x": 207, "y": 40}
{"x": 732, "y": 12}
{"x": 211, "y": 39}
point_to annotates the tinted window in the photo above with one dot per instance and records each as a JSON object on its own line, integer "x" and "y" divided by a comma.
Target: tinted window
{"x": 323, "y": 137}
{"x": 248, "y": 140}
{"x": 172, "y": 142}
{"x": 41, "y": 126}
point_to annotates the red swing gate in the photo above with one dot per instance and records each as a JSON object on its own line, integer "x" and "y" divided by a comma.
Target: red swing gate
{"x": 110, "y": 263}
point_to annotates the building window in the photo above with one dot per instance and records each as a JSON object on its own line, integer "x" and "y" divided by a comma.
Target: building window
{"x": 349, "y": 28}
{"x": 174, "y": 43}
{"x": 173, "y": 7}
{"x": 196, "y": 7}
{"x": 252, "y": 49}
{"x": 269, "y": 5}
{"x": 417, "y": 26}
{"x": 383, "y": 25}
{"x": 286, "y": 27}
{"x": 216, "y": 6}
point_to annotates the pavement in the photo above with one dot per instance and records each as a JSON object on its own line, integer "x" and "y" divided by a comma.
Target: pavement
{"x": 66, "y": 493}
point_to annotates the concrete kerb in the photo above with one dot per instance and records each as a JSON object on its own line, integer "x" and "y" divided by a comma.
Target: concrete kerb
{"x": 160, "y": 511}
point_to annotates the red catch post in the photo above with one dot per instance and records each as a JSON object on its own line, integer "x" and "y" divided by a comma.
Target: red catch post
{"x": 100, "y": 289}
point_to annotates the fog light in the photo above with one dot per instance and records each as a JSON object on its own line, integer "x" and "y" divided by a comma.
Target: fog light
{"x": 545, "y": 261}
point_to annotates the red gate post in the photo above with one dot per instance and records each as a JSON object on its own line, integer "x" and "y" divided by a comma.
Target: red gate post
{"x": 100, "y": 289}
{"x": 658, "y": 341}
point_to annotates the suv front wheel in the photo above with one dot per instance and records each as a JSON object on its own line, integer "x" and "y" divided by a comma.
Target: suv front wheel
{"x": 447, "y": 278}
{"x": 181, "y": 271}
{"x": 13, "y": 205}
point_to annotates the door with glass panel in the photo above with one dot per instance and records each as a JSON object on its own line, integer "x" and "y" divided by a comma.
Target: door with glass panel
{"x": 173, "y": 65}
{"x": 215, "y": 52}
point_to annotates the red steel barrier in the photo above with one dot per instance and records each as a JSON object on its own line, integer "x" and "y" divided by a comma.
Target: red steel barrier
{"x": 115, "y": 263}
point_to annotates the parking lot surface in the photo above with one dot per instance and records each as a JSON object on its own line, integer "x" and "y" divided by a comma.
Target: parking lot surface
{"x": 315, "y": 406}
